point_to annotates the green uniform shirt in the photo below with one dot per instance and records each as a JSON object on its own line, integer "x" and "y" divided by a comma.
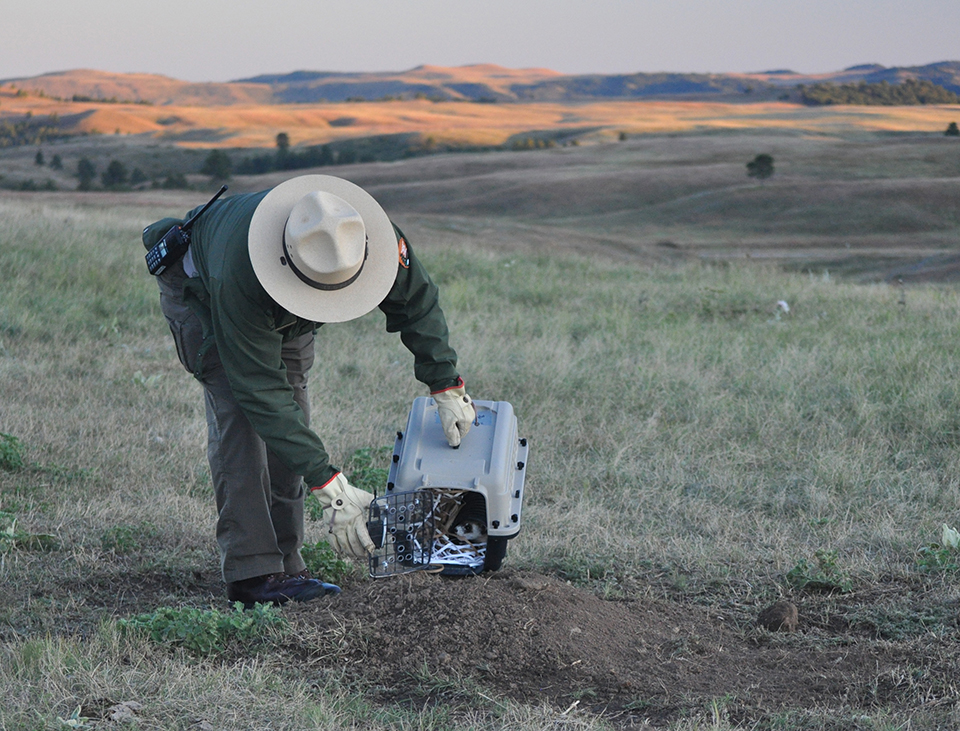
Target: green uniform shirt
{"x": 249, "y": 329}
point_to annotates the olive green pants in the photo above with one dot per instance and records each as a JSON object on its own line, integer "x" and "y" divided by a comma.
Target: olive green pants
{"x": 259, "y": 500}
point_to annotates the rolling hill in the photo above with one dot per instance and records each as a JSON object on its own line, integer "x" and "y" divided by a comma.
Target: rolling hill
{"x": 477, "y": 83}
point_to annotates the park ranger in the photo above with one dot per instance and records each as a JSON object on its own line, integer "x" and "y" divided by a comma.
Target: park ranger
{"x": 262, "y": 273}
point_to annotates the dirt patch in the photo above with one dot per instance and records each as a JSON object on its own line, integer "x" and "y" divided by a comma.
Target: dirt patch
{"x": 536, "y": 639}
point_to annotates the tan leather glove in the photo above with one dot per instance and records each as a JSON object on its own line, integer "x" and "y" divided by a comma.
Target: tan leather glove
{"x": 345, "y": 507}
{"x": 457, "y": 412}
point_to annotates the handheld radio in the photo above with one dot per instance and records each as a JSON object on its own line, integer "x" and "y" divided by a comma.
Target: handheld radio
{"x": 174, "y": 243}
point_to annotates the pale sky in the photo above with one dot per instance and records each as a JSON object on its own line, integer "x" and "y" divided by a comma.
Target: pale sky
{"x": 216, "y": 40}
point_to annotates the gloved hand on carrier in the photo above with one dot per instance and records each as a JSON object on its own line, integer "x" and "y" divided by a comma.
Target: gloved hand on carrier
{"x": 457, "y": 412}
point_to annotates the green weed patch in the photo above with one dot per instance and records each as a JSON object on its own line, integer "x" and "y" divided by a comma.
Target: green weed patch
{"x": 823, "y": 575}
{"x": 11, "y": 453}
{"x": 205, "y": 632}
{"x": 942, "y": 556}
{"x": 14, "y": 538}
{"x": 363, "y": 469}
{"x": 323, "y": 562}
{"x": 934, "y": 557}
{"x": 124, "y": 539}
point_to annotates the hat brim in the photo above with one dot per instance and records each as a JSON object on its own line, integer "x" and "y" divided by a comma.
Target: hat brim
{"x": 265, "y": 243}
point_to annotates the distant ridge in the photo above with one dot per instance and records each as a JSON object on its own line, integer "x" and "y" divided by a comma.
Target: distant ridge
{"x": 477, "y": 83}
{"x": 152, "y": 88}
{"x": 866, "y": 67}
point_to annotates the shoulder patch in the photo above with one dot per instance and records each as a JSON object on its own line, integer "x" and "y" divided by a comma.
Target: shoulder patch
{"x": 404, "y": 254}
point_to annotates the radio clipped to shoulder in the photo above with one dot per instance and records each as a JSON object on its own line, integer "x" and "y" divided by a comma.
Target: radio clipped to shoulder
{"x": 175, "y": 242}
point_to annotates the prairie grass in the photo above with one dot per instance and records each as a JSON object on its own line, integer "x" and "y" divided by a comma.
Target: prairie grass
{"x": 689, "y": 437}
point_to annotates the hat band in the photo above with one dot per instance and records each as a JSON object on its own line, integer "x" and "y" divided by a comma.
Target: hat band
{"x": 287, "y": 260}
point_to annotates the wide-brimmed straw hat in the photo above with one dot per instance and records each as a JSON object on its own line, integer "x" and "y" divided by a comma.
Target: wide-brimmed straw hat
{"x": 323, "y": 248}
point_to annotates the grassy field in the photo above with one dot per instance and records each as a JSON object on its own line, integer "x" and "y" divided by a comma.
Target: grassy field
{"x": 872, "y": 204}
{"x": 692, "y": 440}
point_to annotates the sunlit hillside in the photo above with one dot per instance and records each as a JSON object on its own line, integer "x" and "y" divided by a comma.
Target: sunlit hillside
{"x": 256, "y": 125}
{"x": 477, "y": 82}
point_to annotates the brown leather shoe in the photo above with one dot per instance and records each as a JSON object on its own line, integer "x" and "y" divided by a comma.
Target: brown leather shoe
{"x": 277, "y": 589}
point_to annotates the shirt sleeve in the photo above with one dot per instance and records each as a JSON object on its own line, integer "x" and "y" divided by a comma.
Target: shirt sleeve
{"x": 412, "y": 308}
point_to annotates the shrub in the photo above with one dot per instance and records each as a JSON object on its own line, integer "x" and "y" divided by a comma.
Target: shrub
{"x": 760, "y": 167}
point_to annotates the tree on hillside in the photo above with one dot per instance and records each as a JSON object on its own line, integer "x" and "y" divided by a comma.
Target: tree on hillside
{"x": 56, "y": 162}
{"x": 910, "y": 92}
{"x": 217, "y": 165}
{"x": 324, "y": 155}
{"x": 347, "y": 155}
{"x": 115, "y": 175}
{"x": 760, "y": 167}
{"x": 283, "y": 150}
{"x": 174, "y": 181}
{"x": 952, "y": 130}
{"x": 39, "y": 158}
{"x": 86, "y": 171}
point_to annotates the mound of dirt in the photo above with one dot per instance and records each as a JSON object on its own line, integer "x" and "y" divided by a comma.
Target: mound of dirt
{"x": 535, "y": 638}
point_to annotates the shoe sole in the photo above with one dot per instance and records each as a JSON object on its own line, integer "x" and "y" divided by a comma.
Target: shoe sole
{"x": 323, "y": 589}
